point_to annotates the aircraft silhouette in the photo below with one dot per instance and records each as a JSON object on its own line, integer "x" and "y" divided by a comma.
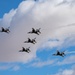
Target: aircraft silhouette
{"x": 37, "y": 31}
{"x": 59, "y": 53}
{"x": 25, "y": 50}
{"x": 5, "y": 30}
{"x": 31, "y": 41}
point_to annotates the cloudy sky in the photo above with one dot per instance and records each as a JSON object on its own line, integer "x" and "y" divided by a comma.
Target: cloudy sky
{"x": 56, "y": 18}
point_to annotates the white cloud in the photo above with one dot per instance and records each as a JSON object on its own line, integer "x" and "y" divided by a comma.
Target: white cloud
{"x": 42, "y": 63}
{"x": 12, "y": 67}
{"x": 67, "y": 72}
{"x": 45, "y": 15}
{"x": 52, "y": 44}
{"x": 15, "y": 68}
{"x": 67, "y": 60}
{"x": 7, "y": 18}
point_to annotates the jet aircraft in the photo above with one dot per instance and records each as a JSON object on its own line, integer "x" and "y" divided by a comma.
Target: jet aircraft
{"x": 59, "y": 53}
{"x": 5, "y": 30}
{"x": 33, "y": 41}
{"x": 35, "y": 31}
{"x": 25, "y": 50}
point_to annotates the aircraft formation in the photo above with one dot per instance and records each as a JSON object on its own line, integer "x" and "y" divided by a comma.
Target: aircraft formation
{"x": 33, "y": 41}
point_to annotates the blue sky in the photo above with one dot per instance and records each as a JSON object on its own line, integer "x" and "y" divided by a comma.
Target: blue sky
{"x": 6, "y": 6}
{"x": 56, "y": 18}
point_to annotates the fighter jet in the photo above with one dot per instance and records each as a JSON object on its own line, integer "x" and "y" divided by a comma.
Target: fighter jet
{"x": 5, "y": 30}
{"x": 59, "y": 53}
{"x": 25, "y": 50}
{"x": 33, "y": 41}
{"x": 37, "y": 31}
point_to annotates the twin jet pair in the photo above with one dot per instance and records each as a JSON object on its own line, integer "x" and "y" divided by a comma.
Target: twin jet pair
{"x": 37, "y": 31}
